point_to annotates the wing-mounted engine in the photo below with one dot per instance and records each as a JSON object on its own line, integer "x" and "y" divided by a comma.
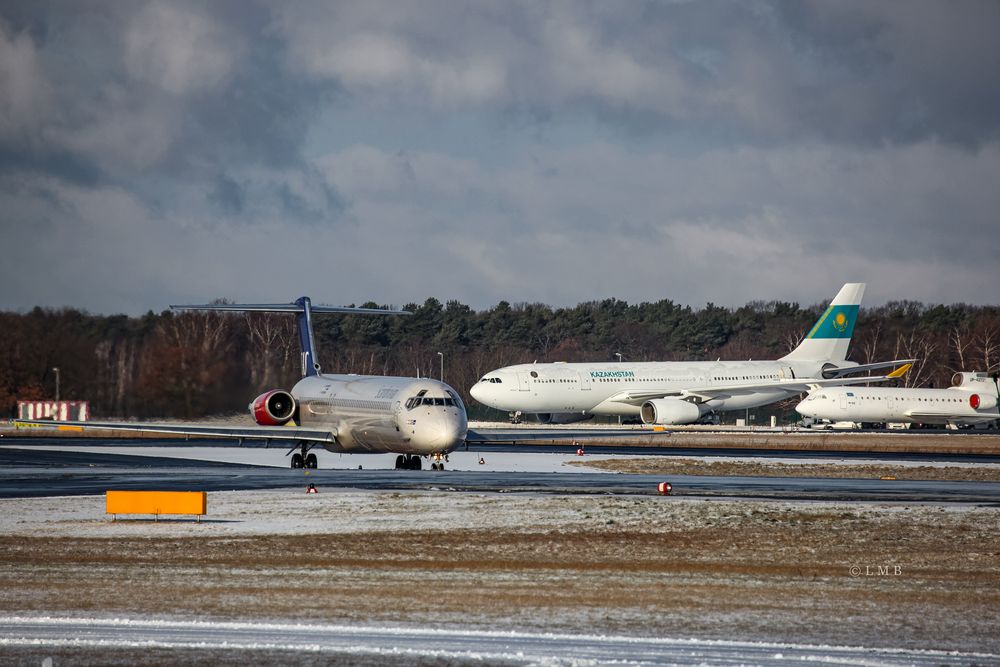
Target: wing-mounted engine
{"x": 669, "y": 411}
{"x": 273, "y": 408}
{"x": 562, "y": 417}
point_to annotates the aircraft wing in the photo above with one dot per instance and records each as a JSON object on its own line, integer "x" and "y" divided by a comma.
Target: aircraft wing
{"x": 864, "y": 368}
{"x": 290, "y": 433}
{"x": 705, "y": 394}
{"x": 497, "y": 436}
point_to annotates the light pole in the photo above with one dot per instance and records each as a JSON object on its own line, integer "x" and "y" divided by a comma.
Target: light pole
{"x": 56, "y": 371}
{"x": 441, "y": 354}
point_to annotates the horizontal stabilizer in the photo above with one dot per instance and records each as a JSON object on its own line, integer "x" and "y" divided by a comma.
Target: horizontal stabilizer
{"x": 290, "y": 308}
{"x": 304, "y": 310}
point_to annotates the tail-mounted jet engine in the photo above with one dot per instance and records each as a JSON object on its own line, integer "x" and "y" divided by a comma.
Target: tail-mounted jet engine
{"x": 982, "y": 401}
{"x": 669, "y": 411}
{"x": 273, "y": 408}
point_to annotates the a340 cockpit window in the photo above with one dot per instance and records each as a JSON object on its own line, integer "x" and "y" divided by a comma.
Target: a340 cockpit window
{"x": 493, "y": 380}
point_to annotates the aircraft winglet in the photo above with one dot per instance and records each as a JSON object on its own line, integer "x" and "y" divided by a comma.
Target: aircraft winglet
{"x": 899, "y": 372}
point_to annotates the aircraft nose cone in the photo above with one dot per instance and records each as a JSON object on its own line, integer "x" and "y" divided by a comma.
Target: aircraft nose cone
{"x": 441, "y": 433}
{"x": 451, "y": 432}
{"x": 803, "y": 409}
{"x": 478, "y": 391}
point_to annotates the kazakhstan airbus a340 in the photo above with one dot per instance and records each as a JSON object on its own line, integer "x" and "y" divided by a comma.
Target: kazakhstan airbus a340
{"x": 681, "y": 392}
{"x": 411, "y": 417}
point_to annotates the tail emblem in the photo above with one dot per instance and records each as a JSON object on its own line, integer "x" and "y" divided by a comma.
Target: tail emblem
{"x": 840, "y": 322}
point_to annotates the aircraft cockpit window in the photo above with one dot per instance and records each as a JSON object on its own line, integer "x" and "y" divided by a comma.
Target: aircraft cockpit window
{"x": 454, "y": 400}
{"x": 415, "y": 401}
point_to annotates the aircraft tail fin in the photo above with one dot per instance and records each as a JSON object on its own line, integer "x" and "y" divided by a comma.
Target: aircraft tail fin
{"x": 830, "y": 337}
{"x": 304, "y": 311}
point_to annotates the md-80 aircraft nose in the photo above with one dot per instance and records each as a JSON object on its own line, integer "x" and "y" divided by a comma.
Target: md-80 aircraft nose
{"x": 441, "y": 432}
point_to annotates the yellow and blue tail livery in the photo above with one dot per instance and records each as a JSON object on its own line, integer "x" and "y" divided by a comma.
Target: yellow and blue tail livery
{"x": 837, "y": 322}
{"x": 831, "y": 335}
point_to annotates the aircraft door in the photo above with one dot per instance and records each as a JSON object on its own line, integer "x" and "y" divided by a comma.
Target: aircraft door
{"x": 890, "y": 405}
{"x": 523, "y": 381}
{"x": 843, "y": 401}
{"x": 585, "y": 381}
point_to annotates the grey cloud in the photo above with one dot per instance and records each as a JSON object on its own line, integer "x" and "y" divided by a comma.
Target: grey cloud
{"x": 698, "y": 151}
{"x": 856, "y": 72}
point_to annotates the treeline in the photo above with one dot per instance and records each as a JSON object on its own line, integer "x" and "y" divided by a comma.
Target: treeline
{"x": 194, "y": 364}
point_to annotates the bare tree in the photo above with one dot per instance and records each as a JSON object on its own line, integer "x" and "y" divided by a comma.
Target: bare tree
{"x": 960, "y": 340}
{"x": 988, "y": 348}
{"x": 914, "y": 345}
{"x": 269, "y": 334}
{"x": 869, "y": 343}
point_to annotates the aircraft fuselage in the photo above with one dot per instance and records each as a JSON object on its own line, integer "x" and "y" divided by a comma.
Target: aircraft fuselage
{"x": 382, "y": 414}
{"x": 592, "y": 388}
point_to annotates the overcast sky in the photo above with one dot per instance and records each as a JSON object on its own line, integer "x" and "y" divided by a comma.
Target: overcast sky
{"x": 173, "y": 152}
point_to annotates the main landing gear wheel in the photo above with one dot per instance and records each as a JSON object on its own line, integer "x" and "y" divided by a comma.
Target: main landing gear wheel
{"x": 408, "y": 462}
{"x": 302, "y": 458}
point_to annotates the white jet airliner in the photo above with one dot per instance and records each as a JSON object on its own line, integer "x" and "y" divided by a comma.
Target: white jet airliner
{"x": 681, "y": 392}
{"x": 354, "y": 414}
{"x": 973, "y": 400}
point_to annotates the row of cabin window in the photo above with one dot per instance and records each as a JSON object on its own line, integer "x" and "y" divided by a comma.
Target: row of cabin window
{"x": 351, "y": 403}
{"x": 928, "y": 400}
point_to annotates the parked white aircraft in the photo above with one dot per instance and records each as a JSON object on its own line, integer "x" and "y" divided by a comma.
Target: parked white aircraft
{"x": 973, "y": 400}
{"x": 411, "y": 417}
{"x": 681, "y": 392}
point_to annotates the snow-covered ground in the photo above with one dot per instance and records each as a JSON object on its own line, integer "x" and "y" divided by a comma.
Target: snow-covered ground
{"x": 446, "y": 645}
{"x": 262, "y": 515}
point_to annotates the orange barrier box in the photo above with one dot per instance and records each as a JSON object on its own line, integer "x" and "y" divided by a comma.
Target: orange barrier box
{"x": 157, "y": 502}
